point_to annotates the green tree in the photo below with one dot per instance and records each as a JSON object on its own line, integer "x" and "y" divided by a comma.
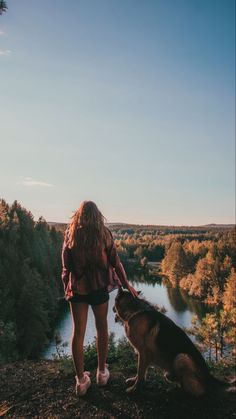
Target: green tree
{"x": 3, "y": 6}
{"x": 30, "y": 284}
{"x": 32, "y": 319}
{"x": 143, "y": 262}
{"x": 8, "y": 342}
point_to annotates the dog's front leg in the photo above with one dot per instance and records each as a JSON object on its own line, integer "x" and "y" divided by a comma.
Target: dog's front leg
{"x": 131, "y": 380}
{"x": 140, "y": 377}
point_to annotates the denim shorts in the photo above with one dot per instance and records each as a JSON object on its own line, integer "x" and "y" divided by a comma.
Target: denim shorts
{"x": 93, "y": 298}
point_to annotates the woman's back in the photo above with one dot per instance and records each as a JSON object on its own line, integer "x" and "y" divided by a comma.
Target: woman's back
{"x": 91, "y": 262}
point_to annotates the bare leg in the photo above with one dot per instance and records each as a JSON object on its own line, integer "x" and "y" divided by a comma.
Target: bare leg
{"x": 100, "y": 314}
{"x": 79, "y": 312}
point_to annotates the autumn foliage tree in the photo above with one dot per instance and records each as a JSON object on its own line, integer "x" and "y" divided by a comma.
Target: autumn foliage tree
{"x": 175, "y": 263}
{"x": 216, "y": 333}
{"x": 229, "y": 296}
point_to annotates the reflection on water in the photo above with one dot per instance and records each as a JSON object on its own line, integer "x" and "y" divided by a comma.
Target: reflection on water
{"x": 180, "y": 308}
{"x": 181, "y": 301}
{"x": 64, "y": 327}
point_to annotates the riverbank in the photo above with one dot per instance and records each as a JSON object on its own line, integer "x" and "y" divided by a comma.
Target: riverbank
{"x": 45, "y": 389}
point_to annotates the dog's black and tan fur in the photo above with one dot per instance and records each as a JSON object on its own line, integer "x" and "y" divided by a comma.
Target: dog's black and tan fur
{"x": 159, "y": 341}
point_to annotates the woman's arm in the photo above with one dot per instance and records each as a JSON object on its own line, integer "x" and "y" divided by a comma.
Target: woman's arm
{"x": 116, "y": 263}
{"x": 66, "y": 264}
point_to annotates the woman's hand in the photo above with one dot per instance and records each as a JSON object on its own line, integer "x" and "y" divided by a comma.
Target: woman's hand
{"x": 124, "y": 281}
{"x": 132, "y": 290}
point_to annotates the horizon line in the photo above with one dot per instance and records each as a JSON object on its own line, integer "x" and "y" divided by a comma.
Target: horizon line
{"x": 157, "y": 225}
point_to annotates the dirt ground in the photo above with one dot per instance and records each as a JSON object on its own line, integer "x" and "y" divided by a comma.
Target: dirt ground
{"x": 38, "y": 389}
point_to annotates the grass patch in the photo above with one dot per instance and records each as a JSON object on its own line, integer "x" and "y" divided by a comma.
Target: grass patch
{"x": 120, "y": 356}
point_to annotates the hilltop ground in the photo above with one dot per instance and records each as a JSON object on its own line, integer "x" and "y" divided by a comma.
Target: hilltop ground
{"x": 41, "y": 389}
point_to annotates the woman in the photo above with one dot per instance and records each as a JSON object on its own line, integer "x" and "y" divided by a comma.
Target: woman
{"x": 91, "y": 269}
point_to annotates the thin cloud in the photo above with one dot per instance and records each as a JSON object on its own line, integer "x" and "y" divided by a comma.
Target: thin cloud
{"x": 2, "y": 33}
{"x": 28, "y": 181}
{"x": 5, "y": 51}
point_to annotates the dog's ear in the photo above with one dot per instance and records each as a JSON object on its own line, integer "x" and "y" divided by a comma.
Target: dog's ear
{"x": 120, "y": 291}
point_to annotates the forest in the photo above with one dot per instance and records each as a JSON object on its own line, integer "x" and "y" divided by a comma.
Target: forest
{"x": 30, "y": 284}
{"x": 200, "y": 261}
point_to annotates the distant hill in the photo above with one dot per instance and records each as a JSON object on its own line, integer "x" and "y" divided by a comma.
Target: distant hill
{"x": 131, "y": 228}
{"x": 219, "y": 225}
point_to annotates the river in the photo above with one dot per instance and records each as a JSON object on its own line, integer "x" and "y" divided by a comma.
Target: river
{"x": 180, "y": 308}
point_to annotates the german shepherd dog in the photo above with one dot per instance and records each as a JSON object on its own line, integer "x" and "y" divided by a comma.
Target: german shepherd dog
{"x": 159, "y": 341}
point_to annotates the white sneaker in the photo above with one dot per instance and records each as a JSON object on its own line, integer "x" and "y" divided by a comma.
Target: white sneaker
{"x": 82, "y": 385}
{"x": 103, "y": 377}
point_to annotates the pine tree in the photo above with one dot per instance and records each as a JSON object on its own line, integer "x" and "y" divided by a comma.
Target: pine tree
{"x": 30, "y": 267}
{"x": 3, "y": 6}
{"x": 229, "y": 296}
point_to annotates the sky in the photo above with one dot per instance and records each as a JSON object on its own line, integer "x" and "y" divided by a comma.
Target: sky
{"x": 128, "y": 103}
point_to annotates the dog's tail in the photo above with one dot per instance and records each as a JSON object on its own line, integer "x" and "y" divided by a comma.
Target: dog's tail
{"x": 217, "y": 385}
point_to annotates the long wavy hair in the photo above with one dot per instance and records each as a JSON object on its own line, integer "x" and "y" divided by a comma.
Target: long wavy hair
{"x": 87, "y": 231}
